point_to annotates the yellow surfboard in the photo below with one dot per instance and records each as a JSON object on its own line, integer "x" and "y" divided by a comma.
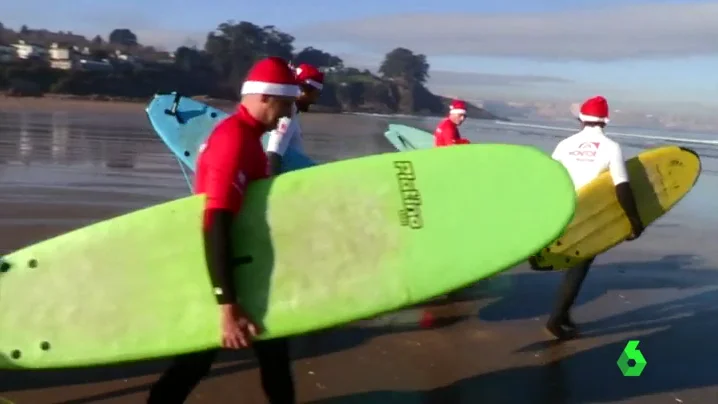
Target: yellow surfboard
{"x": 659, "y": 178}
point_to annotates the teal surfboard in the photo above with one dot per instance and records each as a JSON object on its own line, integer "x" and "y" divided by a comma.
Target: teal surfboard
{"x": 315, "y": 248}
{"x": 184, "y": 124}
{"x": 405, "y": 138}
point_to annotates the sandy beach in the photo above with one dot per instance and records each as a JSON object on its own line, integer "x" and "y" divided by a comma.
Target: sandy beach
{"x": 66, "y": 164}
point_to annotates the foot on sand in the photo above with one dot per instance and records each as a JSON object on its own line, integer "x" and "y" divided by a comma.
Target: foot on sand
{"x": 562, "y": 331}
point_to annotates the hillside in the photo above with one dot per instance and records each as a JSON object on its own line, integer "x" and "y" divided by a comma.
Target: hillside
{"x": 201, "y": 73}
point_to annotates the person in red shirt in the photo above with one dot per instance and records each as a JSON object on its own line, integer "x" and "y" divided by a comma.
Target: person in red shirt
{"x": 447, "y": 133}
{"x": 230, "y": 159}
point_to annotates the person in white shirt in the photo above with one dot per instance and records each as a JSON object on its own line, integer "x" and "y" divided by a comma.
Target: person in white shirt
{"x": 585, "y": 155}
{"x": 288, "y": 133}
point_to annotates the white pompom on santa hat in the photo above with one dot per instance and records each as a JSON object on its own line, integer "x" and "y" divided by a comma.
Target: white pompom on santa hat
{"x": 271, "y": 76}
{"x": 595, "y": 109}
{"x": 457, "y": 107}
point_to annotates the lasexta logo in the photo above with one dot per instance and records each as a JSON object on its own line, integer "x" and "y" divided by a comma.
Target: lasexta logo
{"x": 631, "y": 362}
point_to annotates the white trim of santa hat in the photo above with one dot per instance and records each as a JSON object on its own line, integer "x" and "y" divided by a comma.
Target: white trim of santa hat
{"x": 595, "y": 109}
{"x": 271, "y": 76}
{"x": 457, "y": 107}
{"x": 309, "y": 74}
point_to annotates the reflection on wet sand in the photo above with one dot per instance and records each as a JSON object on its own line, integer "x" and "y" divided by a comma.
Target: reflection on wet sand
{"x": 60, "y": 171}
{"x": 60, "y": 136}
{"x": 63, "y": 170}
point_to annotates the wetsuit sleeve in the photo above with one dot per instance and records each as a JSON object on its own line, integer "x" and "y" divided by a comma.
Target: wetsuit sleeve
{"x": 223, "y": 198}
{"x": 624, "y": 193}
{"x": 275, "y": 163}
{"x": 218, "y": 253}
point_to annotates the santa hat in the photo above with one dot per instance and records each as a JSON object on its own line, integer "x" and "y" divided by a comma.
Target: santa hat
{"x": 457, "y": 107}
{"x": 271, "y": 76}
{"x": 594, "y": 110}
{"x": 309, "y": 74}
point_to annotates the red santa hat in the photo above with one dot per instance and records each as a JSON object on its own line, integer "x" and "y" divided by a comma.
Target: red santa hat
{"x": 271, "y": 76}
{"x": 310, "y": 75}
{"x": 594, "y": 110}
{"x": 457, "y": 107}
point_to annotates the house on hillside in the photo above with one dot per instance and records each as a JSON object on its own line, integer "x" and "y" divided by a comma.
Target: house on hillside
{"x": 7, "y": 53}
{"x": 126, "y": 61}
{"x": 59, "y": 51}
{"x": 61, "y": 56}
{"x": 154, "y": 60}
{"x": 95, "y": 65}
{"x": 164, "y": 58}
{"x": 120, "y": 55}
{"x": 26, "y": 50}
{"x": 82, "y": 50}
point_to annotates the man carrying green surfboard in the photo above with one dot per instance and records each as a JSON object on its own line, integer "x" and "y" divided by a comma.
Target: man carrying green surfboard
{"x": 230, "y": 159}
{"x": 586, "y": 155}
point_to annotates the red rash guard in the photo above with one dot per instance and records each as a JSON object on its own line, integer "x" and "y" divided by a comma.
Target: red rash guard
{"x": 230, "y": 159}
{"x": 447, "y": 133}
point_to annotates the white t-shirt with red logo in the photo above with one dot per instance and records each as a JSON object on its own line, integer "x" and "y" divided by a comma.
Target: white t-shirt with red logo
{"x": 287, "y": 134}
{"x": 589, "y": 153}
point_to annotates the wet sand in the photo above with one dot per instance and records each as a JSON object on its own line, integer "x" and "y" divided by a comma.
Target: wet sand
{"x": 80, "y": 164}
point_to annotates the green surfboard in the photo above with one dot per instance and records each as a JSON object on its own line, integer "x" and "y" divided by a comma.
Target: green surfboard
{"x": 315, "y": 248}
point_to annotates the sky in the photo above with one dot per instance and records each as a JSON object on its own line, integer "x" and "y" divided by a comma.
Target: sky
{"x": 638, "y": 53}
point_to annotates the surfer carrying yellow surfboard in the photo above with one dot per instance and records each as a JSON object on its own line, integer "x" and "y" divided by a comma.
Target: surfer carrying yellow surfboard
{"x": 229, "y": 160}
{"x": 586, "y": 155}
{"x": 288, "y": 133}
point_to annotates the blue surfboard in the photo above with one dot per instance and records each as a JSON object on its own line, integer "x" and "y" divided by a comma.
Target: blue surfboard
{"x": 184, "y": 124}
{"x": 406, "y": 138}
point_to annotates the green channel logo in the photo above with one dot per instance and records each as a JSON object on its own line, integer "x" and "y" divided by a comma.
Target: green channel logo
{"x": 631, "y": 353}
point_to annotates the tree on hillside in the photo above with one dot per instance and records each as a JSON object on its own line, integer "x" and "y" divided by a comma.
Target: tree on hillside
{"x": 234, "y": 47}
{"x": 318, "y": 58}
{"x": 97, "y": 40}
{"x": 24, "y": 30}
{"x": 122, "y": 36}
{"x": 277, "y": 43}
{"x": 190, "y": 59}
{"x": 99, "y": 54}
{"x": 403, "y": 64}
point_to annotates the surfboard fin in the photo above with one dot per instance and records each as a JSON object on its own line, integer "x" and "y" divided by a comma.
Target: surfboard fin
{"x": 533, "y": 262}
{"x": 184, "y": 173}
{"x": 173, "y": 111}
